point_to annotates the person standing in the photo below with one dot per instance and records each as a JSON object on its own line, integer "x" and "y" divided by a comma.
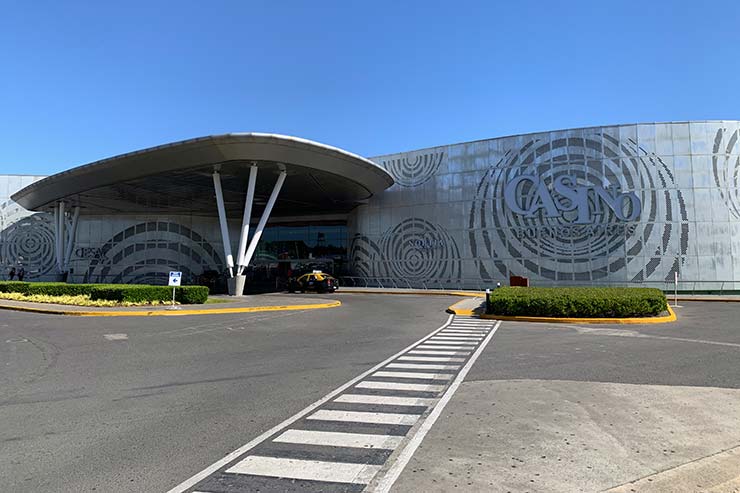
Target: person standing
{"x": 21, "y": 273}
{"x": 11, "y": 274}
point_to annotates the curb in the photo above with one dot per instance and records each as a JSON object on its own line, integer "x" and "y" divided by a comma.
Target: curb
{"x": 671, "y": 317}
{"x": 462, "y": 311}
{"x": 473, "y": 294}
{"x": 164, "y": 313}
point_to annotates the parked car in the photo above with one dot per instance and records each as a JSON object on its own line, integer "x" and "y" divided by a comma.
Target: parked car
{"x": 313, "y": 281}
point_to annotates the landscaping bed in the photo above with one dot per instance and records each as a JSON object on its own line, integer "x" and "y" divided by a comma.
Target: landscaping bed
{"x": 577, "y": 302}
{"x": 100, "y": 294}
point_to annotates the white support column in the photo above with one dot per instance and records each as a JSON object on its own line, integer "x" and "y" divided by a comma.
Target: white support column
{"x": 245, "y": 220}
{"x": 222, "y": 221}
{"x": 71, "y": 237}
{"x": 56, "y": 234}
{"x": 264, "y": 218}
{"x": 60, "y": 239}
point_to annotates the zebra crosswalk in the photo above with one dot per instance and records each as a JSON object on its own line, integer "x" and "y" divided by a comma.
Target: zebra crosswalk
{"x": 343, "y": 442}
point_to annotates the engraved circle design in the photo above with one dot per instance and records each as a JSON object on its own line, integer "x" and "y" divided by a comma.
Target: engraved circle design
{"x": 505, "y": 243}
{"x": 146, "y": 252}
{"x": 414, "y": 171}
{"x": 726, "y": 169}
{"x": 30, "y": 242}
{"x": 418, "y": 249}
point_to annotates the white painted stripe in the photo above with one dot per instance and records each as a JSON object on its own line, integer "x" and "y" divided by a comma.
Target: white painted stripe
{"x": 431, "y": 358}
{"x": 448, "y": 341}
{"x": 456, "y": 338}
{"x": 465, "y": 344}
{"x": 411, "y": 374}
{"x": 414, "y": 387}
{"x": 312, "y": 470}
{"x": 386, "y": 400}
{"x": 364, "y": 417}
{"x": 337, "y": 439}
{"x": 461, "y": 336}
{"x": 429, "y": 346}
{"x": 422, "y": 366}
{"x": 196, "y": 478}
{"x": 440, "y": 353}
{"x": 386, "y": 482}
{"x": 464, "y": 331}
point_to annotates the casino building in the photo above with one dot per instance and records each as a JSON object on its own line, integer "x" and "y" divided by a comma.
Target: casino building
{"x": 618, "y": 205}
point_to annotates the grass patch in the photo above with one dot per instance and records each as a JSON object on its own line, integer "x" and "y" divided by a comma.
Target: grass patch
{"x": 577, "y": 302}
{"x": 212, "y": 301}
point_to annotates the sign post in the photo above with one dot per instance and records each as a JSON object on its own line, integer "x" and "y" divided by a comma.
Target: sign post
{"x": 675, "y": 289}
{"x": 175, "y": 281}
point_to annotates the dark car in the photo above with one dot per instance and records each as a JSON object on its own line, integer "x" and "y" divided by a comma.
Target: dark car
{"x": 313, "y": 281}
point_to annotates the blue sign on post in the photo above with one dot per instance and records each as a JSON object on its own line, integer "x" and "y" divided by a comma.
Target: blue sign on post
{"x": 175, "y": 278}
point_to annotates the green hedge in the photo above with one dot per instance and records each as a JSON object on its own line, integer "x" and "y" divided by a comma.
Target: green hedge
{"x": 139, "y": 293}
{"x": 577, "y": 302}
{"x": 134, "y": 293}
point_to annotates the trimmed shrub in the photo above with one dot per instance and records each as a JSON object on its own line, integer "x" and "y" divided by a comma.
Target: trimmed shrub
{"x": 191, "y": 295}
{"x": 132, "y": 293}
{"x": 577, "y": 302}
{"x": 139, "y": 293}
{"x": 14, "y": 286}
{"x": 60, "y": 289}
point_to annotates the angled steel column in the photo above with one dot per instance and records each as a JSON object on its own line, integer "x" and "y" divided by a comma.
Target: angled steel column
{"x": 264, "y": 218}
{"x": 222, "y": 221}
{"x": 71, "y": 237}
{"x": 56, "y": 234}
{"x": 245, "y": 220}
{"x": 60, "y": 238}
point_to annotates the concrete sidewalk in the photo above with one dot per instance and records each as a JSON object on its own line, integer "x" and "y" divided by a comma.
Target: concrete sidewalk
{"x": 565, "y": 436}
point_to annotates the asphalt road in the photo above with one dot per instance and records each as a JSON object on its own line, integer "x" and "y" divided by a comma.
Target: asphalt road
{"x": 141, "y": 404}
{"x": 700, "y": 349}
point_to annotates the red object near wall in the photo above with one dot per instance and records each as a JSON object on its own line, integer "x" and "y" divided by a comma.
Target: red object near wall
{"x": 522, "y": 282}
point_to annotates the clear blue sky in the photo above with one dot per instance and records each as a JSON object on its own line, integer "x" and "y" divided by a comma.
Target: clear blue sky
{"x": 81, "y": 81}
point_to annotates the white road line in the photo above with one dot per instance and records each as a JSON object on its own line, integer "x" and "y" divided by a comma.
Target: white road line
{"x": 386, "y": 482}
{"x": 431, "y": 358}
{"x": 455, "y": 338}
{"x": 422, "y": 366}
{"x": 460, "y": 336}
{"x": 440, "y": 353}
{"x": 196, "y": 478}
{"x": 463, "y": 331}
{"x": 410, "y": 374}
{"x": 312, "y": 470}
{"x": 386, "y": 400}
{"x": 464, "y": 343}
{"x": 414, "y": 387}
{"x": 338, "y": 439}
{"x": 429, "y": 346}
{"x": 116, "y": 337}
{"x": 364, "y": 417}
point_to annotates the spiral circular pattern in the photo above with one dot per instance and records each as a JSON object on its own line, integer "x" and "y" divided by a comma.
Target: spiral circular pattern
{"x": 414, "y": 171}
{"x": 418, "y": 249}
{"x": 146, "y": 252}
{"x": 30, "y": 242}
{"x": 726, "y": 169}
{"x": 558, "y": 248}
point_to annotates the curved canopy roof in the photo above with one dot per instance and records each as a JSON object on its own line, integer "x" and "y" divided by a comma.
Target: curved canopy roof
{"x": 177, "y": 178}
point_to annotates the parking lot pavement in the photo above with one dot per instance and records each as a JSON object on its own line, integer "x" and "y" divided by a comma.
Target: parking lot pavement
{"x": 140, "y": 404}
{"x": 554, "y": 407}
